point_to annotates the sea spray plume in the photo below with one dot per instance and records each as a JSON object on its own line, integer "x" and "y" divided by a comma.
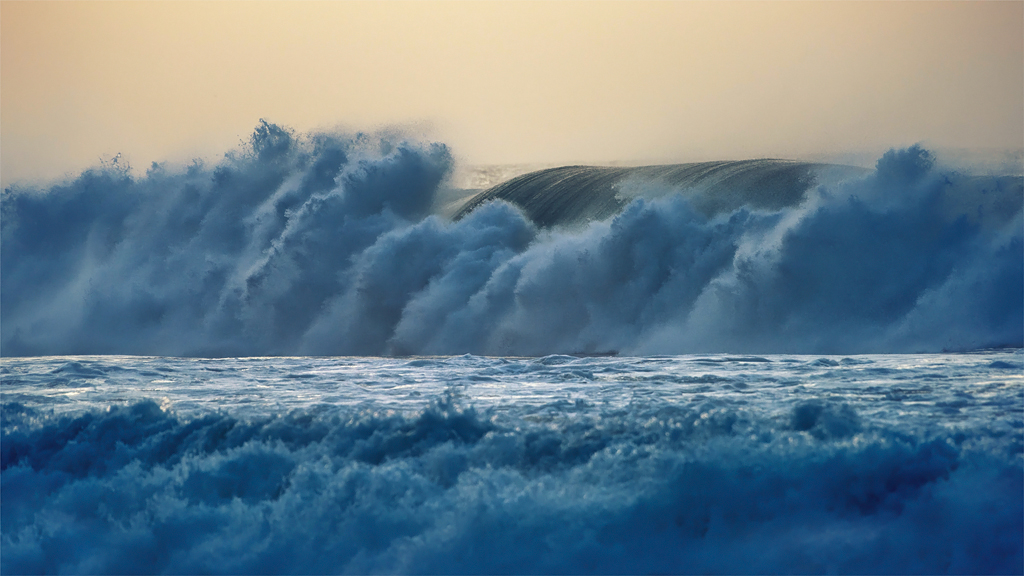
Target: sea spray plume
{"x": 324, "y": 244}
{"x": 405, "y": 287}
{"x": 233, "y": 259}
{"x": 306, "y": 264}
{"x": 873, "y": 265}
{"x": 601, "y": 288}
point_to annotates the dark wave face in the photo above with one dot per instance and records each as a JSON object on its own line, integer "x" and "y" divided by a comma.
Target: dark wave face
{"x": 576, "y": 195}
{"x": 327, "y": 244}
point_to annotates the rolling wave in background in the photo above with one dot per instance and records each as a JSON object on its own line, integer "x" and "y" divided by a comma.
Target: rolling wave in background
{"x": 328, "y": 244}
{"x": 576, "y": 195}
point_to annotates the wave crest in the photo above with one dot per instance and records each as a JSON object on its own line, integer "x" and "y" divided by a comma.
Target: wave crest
{"x": 326, "y": 244}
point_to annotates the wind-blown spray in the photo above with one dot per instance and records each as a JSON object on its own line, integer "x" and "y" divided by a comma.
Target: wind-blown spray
{"x": 327, "y": 244}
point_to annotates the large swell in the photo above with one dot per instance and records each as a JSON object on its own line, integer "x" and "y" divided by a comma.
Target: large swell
{"x": 575, "y": 195}
{"x": 331, "y": 244}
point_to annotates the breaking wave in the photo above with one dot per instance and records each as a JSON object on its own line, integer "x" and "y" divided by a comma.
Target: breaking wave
{"x": 330, "y": 244}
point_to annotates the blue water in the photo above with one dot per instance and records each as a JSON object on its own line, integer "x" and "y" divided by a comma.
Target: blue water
{"x": 328, "y": 244}
{"x": 320, "y": 355}
{"x": 466, "y": 464}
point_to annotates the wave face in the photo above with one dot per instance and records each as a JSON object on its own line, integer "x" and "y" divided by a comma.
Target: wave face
{"x": 882, "y": 464}
{"x": 327, "y": 244}
{"x": 575, "y": 195}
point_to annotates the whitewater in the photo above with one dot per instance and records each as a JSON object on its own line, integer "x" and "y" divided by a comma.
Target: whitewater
{"x": 557, "y": 464}
{"x": 321, "y": 354}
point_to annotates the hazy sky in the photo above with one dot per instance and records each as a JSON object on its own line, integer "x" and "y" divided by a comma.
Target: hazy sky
{"x": 508, "y": 81}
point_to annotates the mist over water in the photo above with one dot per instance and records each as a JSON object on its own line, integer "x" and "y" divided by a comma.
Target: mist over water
{"x": 332, "y": 244}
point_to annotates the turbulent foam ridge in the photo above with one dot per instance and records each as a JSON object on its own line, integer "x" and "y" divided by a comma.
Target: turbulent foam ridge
{"x": 325, "y": 244}
{"x": 137, "y": 489}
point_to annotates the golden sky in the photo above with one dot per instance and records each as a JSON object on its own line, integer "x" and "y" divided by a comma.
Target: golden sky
{"x": 508, "y": 81}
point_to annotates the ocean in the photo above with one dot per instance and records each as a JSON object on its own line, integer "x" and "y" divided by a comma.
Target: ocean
{"x": 558, "y": 464}
{"x": 324, "y": 354}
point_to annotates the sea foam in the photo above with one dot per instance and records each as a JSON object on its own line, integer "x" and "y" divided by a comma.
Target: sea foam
{"x": 689, "y": 464}
{"x": 329, "y": 244}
